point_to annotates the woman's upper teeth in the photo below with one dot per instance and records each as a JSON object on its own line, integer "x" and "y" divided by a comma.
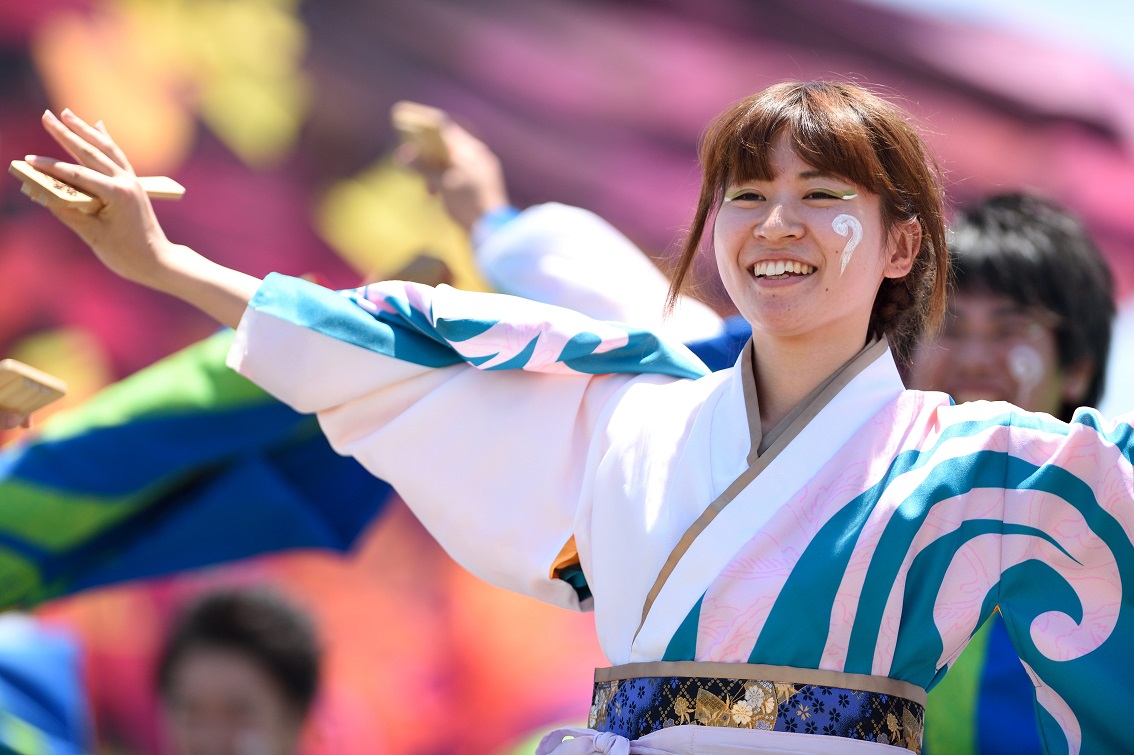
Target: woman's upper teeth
{"x": 779, "y": 267}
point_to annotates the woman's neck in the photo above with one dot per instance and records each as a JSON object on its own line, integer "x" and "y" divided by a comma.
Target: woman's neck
{"x": 788, "y": 369}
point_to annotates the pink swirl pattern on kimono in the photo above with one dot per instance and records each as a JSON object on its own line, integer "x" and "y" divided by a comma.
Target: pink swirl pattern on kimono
{"x": 970, "y": 575}
{"x": 1092, "y": 573}
{"x": 850, "y": 590}
{"x": 518, "y": 322}
{"x": 504, "y": 342}
{"x": 374, "y": 298}
{"x": 1085, "y": 455}
{"x": 1056, "y": 635}
{"x": 736, "y": 605}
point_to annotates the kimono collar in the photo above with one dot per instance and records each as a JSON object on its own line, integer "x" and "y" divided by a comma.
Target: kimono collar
{"x": 812, "y": 403}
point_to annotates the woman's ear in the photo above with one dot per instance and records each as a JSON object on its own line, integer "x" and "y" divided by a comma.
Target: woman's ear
{"x": 905, "y": 241}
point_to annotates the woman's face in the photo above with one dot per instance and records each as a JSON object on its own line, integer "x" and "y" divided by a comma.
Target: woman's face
{"x": 803, "y": 255}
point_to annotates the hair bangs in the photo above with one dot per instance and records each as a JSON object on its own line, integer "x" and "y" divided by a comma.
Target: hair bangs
{"x": 824, "y": 129}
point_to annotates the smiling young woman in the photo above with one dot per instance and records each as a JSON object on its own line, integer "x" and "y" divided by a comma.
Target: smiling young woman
{"x": 802, "y": 255}
{"x": 862, "y": 143}
{"x": 781, "y": 556}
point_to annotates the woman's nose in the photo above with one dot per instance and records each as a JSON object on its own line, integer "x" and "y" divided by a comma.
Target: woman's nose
{"x": 780, "y": 222}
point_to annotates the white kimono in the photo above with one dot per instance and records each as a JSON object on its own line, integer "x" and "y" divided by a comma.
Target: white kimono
{"x": 861, "y": 546}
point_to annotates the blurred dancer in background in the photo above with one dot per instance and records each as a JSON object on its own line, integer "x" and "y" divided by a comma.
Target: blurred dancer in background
{"x": 553, "y": 253}
{"x": 238, "y": 675}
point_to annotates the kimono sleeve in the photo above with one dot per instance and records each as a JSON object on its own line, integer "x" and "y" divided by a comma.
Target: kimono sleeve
{"x": 479, "y": 409}
{"x": 1067, "y": 574}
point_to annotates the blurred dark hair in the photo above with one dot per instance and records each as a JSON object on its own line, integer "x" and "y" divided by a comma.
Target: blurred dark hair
{"x": 276, "y": 636}
{"x": 1038, "y": 254}
{"x": 845, "y": 130}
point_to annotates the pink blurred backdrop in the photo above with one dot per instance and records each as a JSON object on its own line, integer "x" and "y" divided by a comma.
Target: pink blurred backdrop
{"x": 261, "y": 107}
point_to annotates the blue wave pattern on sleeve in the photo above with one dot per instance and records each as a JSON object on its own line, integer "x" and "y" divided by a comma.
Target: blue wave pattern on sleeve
{"x": 444, "y": 326}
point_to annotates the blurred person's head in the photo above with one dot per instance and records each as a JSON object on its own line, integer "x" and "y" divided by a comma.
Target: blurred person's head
{"x": 238, "y": 675}
{"x": 1029, "y": 317}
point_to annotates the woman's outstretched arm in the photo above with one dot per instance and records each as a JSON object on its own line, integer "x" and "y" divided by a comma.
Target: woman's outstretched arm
{"x": 125, "y": 233}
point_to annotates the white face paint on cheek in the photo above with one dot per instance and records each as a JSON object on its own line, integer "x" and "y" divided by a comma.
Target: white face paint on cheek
{"x": 845, "y": 225}
{"x": 1026, "y": 366}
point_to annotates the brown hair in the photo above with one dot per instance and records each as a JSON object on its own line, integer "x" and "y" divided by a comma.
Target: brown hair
{"x": 844, "y": 130}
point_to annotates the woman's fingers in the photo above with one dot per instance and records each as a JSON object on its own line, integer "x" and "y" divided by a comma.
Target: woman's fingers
{"x": 54, "y": 126}
{"x": 101, "y": 170}
{"x": 98, "y": 139}
{"x": 64, "y": 132}
{"x": 98, "y": 136}
{"x": 98, "y": 185}
{"x": 54, "y": 204}
{"x": 111, "y": 147}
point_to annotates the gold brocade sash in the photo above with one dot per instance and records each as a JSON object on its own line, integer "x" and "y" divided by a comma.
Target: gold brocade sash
{"x": 640, "y": 698}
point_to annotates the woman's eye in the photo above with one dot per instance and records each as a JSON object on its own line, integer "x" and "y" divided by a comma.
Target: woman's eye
{"x": 823, "y": 194}
{"x": 743, "y": 196}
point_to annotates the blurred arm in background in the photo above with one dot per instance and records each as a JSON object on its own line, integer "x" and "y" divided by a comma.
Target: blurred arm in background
{"x": 554, "y": 253}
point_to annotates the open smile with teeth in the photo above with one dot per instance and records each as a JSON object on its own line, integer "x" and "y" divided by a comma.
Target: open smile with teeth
{"x": 780, "y": 269}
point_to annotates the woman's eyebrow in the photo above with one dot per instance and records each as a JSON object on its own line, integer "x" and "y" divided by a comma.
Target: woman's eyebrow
{"x": 807, "y": 175}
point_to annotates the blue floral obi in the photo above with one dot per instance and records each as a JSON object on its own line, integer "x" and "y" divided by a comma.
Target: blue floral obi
{"x": 637, "y": 699}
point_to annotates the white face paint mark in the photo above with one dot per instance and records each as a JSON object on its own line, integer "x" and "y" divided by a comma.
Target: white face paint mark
{"x": 847, "y": 225}
{"x": 1026, "y": 366}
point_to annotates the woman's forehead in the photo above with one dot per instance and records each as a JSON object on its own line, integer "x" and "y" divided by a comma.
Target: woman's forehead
{"x": 780, "y": 156}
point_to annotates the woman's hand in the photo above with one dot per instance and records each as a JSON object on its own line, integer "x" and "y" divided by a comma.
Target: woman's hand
{"x": 124, "y": 233}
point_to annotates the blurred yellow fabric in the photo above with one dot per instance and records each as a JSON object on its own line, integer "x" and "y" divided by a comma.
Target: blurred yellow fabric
{"x": 383, "y": 218}
{"x": 148, "y": 68}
